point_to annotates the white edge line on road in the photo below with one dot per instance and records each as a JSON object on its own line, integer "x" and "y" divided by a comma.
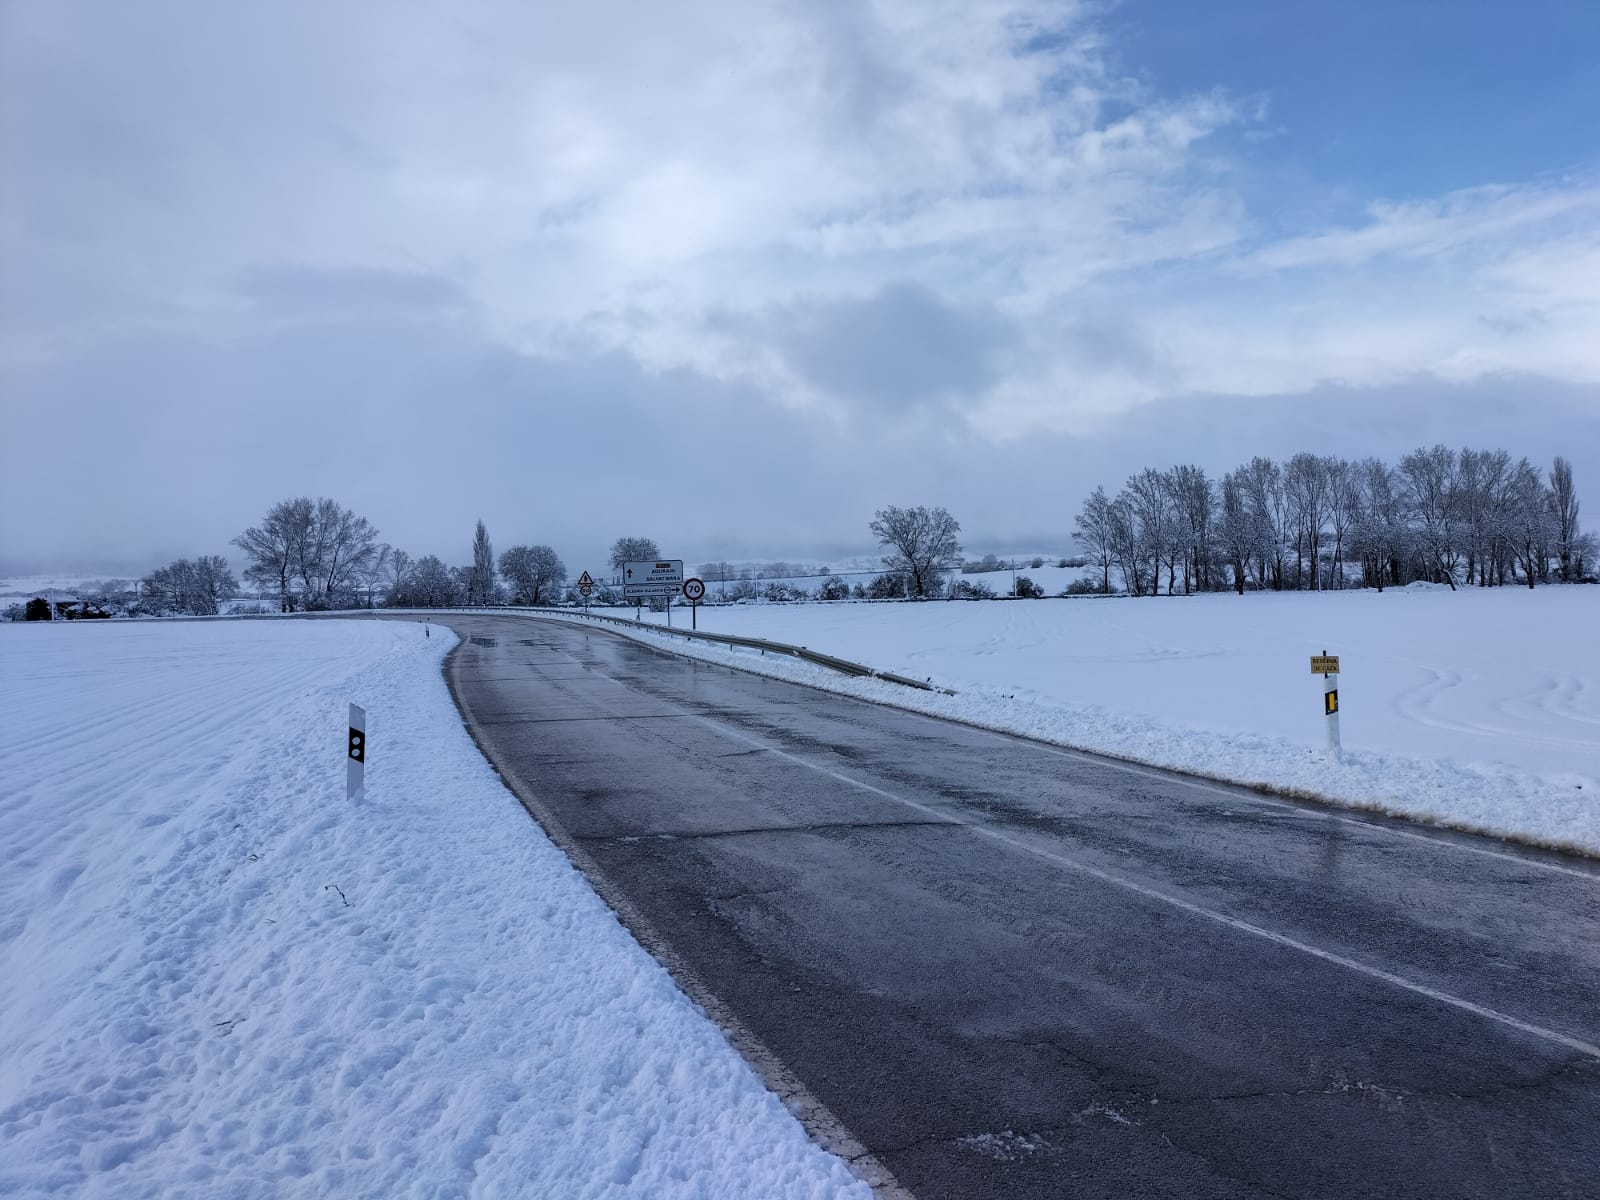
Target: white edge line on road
{"x": 1072, "y": 864}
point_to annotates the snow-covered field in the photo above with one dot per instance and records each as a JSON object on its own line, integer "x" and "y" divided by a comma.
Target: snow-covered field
{"x": 217, "y": 977}
{"x": 1477, "y": 708}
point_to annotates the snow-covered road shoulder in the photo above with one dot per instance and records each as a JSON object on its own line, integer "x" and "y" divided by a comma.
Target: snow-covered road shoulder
{"x": 218, "y": 977}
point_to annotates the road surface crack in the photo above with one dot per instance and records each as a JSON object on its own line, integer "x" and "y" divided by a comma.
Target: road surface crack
{"x": 730, "y": 897}
{"x": 689, "y": 835}
{"x": 1386, "y": 1095}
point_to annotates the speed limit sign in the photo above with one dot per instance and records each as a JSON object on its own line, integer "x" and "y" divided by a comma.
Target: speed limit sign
{"x": 694, "y": 590}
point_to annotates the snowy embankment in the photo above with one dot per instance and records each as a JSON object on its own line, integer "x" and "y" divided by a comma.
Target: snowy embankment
{"x": 219, "y": 978}
{"x": 1478, "y": 709}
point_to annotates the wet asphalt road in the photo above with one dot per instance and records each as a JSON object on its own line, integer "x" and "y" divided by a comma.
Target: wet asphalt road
{"x": 1013, "y": 971}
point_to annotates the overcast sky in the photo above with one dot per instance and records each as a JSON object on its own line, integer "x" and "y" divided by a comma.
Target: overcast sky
{"x": 732, "y": 275}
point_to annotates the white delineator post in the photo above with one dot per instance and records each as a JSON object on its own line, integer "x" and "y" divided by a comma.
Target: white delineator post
{"x": 1330, "y": 708}
{"x": 355, "y": 779}
{"x": 1330, "y": 705}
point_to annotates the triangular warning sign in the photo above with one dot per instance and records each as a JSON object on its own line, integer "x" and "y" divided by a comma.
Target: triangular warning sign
{"x": 585, "y": 580}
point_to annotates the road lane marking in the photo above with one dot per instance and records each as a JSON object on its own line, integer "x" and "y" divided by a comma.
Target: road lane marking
{"x": 1550, "y": 1035}
{"x": 1421, "y": 989}
{"x": 1240, "y": 791}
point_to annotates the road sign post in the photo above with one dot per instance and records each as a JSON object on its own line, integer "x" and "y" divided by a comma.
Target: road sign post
{"x": 660, "y": 579}
{"x": 586, "y": 589}
{"x": 1327, "y": 665}
{"x": 355, "y": 772}
{"x": 694, "y": 591}
{"x": 652, "y": 580}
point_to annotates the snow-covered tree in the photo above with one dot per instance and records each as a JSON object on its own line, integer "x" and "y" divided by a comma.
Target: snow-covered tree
{"x": 1262, "y": 485}
{"x": 1344, "y": 506}
{"x": 533, "y": 574}
{"x": 1093, "y": 530}
{"x": 1305, "y": 484}
{"x": 480, "y": 576}
{"x": 633, "y": 549}
{"x": 1235, "y": 531}
{"x": 1564, "y": 509}
{"x": 1194, "y": 499}
{"x": 1154, "y": 520}
{"x": 1529, "y": 522}
{"x": 1379, "y": 535}
{"x": 431, "y": 584}
{"x": 310, "y": 552}
{"x": 271, "y": 548}
{"x": 1127, "y": 547}
{"x": 375, "y": 570}
{"x": 922, "y": 545}
{"x": 396, "y": 575}
{"x": 1432, "y": 479}
{"x": 192, "y": 588}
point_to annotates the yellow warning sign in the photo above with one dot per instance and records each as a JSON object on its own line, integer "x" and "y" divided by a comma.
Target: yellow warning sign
{"x": 1330, "y": 702}
{"x": 1324, "y": 664}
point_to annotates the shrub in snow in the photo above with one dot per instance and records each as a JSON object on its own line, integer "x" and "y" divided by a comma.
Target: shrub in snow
{"x": 1083, "y": 587}
{"x": 833, "y": 588}
{"x": 887, "y": 587}
{"x": 38, "y": 609}
{"x": 964, "y": 590}
{"x": 1027, "y": 589}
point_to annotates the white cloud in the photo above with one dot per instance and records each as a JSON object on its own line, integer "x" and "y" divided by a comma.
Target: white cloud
{"x": 566, "y": 161}
{"x": 672, "y": 183}
{"x": 1470, "y": 221}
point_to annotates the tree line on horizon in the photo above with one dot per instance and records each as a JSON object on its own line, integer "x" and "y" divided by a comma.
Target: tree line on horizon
{"x": 319, "y": 555}
{"x": 1468, "y": 517}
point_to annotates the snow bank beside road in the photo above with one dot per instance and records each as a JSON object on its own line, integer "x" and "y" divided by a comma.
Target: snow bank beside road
{"x": 1477, "y": 709}
{"x": 216, "y": 977}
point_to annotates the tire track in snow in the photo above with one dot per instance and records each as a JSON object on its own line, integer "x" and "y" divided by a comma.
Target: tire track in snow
{"x": 1423, "y": 703}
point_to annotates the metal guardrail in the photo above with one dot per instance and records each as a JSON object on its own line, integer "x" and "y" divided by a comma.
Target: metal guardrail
{"x": 842, "y": 665}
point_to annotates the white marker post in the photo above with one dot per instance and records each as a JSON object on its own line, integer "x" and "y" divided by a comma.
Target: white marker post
{"x": 355, "y": 778}
{"x": 1327, "y": 665}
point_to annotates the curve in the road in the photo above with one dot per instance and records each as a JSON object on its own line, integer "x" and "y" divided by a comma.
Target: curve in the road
{"x": 1012, "y": 971}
